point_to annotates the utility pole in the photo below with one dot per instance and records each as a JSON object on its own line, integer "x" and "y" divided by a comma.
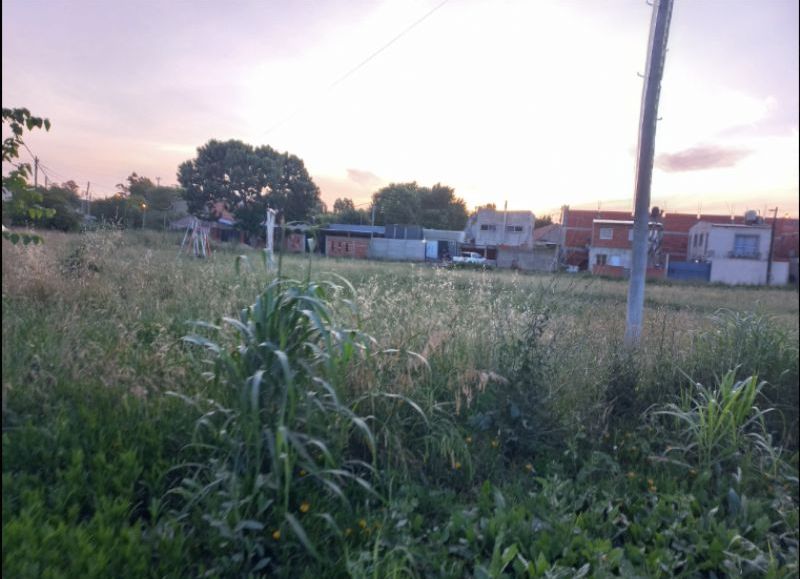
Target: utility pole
{"x": 45, "y": 181}
{"x": 771, "y": 243}
{"x": 657, "y": 48}
{"x": 158, "y": 181}
{"x": 88, "y": 206}
{"x": 35, "y": 172}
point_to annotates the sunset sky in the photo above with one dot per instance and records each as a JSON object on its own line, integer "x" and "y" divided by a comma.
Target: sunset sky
{"x": 531, "y": 102}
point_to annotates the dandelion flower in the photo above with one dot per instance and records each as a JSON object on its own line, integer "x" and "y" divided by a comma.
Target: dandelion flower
{"x": 302, "y": 472}
{"x": 305, "y": 506}
{"x": 457, "y": 465}
{"x": 468, "y": 440}
{"x": 362, "y": 523}
{"x": 495, "y": 443}
{"x": 276, "y": 535}
{"x": 529, "y": 467}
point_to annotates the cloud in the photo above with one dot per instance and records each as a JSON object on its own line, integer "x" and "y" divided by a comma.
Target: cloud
{"x": 700, "y": 158}
{"x": 364, "y": 178}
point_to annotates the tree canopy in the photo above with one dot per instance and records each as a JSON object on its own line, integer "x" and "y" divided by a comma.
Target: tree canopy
{"x": 435, "y": 207}
{"x": 247, "y": 180}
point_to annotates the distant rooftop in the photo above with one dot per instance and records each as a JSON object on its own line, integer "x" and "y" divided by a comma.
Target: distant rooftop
{"x": 620, "y": 222}
{"x": 377, "y": 229}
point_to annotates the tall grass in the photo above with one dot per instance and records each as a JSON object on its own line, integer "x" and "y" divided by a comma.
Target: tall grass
{"x": 363, "y": 429}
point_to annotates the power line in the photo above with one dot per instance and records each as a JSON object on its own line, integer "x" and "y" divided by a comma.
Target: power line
{"x": 361, "y": 64}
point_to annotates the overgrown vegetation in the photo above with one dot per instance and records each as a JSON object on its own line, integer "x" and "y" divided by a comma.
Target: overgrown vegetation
{"x": 167, "y": 416}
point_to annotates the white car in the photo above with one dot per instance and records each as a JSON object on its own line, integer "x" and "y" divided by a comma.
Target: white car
{"x": 471, "y": 257}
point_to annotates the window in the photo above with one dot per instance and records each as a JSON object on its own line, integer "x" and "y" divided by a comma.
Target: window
{"x": 606, "y": 233}
{"x": 600, "y": 259}
{"x": 745, "y": 246}
{"x": 516, "y": 228}
{"x": 488, "y": 227}
{"x": 630, "y": 234}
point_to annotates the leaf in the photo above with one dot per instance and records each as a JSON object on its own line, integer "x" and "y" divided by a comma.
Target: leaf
{"x": 301, "y": 534}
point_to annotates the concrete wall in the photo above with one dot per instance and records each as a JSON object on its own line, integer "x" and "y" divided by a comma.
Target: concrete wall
{"x": 537, "y": 259}
{"x": 739, "y": 271}
{"x": 615, "y": 257}
{"x": 780, "y": 273}
{"x": 397, "y": 249}
{"x": 490, "y": 227}
{"x": 721, "y": 242}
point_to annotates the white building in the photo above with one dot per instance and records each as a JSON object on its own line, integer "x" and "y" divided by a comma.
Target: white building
{"x": 738, "y": 253}
{"x": 490, "y": 228}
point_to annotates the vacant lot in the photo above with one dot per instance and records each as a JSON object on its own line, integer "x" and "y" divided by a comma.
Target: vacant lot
{"x": 381, "y": 419}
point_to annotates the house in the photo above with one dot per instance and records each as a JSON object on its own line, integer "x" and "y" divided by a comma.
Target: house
{"x": 543, "y": 256}
{"x": 345, "y": 240}
{"x": 488, "y": 230}
{"x": 577, "y": 228}
{"x": 737, "y": 253}
{"x": 611, "y": 248}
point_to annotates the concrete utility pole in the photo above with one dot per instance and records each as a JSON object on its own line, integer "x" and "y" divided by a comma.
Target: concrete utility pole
{"x": 88, "y": 207}
{"x": 659, "y": 31}
{"x": 35, "y": 172}
{"x": 771, "y": 243}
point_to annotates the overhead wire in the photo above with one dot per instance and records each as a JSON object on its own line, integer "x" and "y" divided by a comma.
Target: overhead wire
{"x": 360, "y": 65}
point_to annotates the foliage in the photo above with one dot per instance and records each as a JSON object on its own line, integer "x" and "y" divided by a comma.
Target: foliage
{"x": 434, "y": 207}
{"x": 24, "y": 203}
{"x": 345, "y": 212}
{"x": 247, "y": 180}
{"x": 101, "y": 462}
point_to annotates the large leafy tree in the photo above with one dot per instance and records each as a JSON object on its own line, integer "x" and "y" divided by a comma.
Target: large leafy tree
{"x": 247, "y": 180}
{"x": 436, "y": 207}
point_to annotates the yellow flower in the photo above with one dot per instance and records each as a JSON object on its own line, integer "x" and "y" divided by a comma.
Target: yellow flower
{"x": 631, "y": 474}
{"x": 362, "y": 523}
{"x": 495, "y": 443}
{"x": 457, "y": 465}
{"x": 276, "y": 535}
{"x": 468, "y": 440}
{"x": 302, "y": 472}
{"x": 529, "y": 467}
{"x": 305, "y": 506}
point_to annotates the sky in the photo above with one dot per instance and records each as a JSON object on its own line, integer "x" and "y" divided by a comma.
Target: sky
{"x": 533, "y": 103}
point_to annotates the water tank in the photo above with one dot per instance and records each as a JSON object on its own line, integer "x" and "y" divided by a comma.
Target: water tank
{"x": 751, "y": 217}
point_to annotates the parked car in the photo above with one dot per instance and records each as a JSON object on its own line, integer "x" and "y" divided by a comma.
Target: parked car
{"x": 470, "y": 258}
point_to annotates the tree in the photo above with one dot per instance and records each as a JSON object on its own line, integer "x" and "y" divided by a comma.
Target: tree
{"x": 435, "y": 207}
{"x": 247, "y": 180}
{"x": 24, "y": 201}
{"x": 544, "y": 220}
{"x": 64, "y": 201}
{"x": 344, "y": 211}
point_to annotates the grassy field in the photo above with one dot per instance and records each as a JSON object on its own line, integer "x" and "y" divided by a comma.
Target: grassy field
{"x": 165, "y": 416}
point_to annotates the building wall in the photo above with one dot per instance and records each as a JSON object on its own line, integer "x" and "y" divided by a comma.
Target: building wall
{"x": 490, "y": 227}
{"x": 577, "y": 232}
{"x": 780, "y": 273}
{"x": 624, "y": 272}
{"x": 721, "y": 241}
{"x": 397, "y": 249}
{"x": 296, "y": 243}
{"x": 738, "y": 271}
{"x": 544, "y": 258}
{"x": 340, "y": 246}
{"x": 615, "y": 257}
